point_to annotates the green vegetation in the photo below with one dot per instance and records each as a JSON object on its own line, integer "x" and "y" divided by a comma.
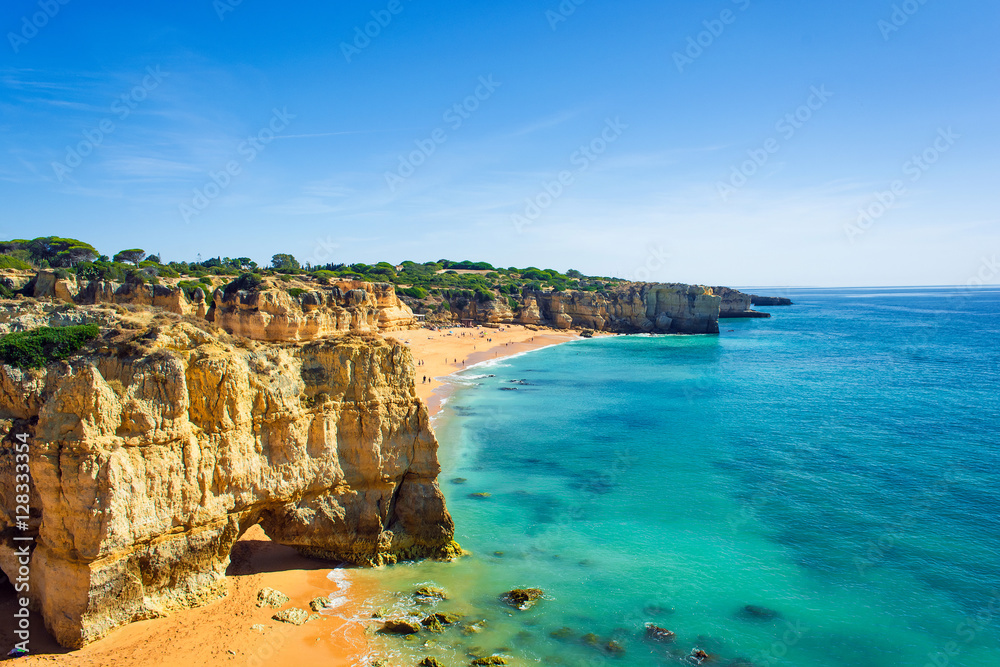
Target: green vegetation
{"x": 12, "y": 262}
{"x": 38, "y": 347}
{"x": 133, "y": 256}
{"x": 284, "y": 262}
{"x": 247, "y": 282}
{"x": 296, "y": 292}
{"x": 440, "y": 286}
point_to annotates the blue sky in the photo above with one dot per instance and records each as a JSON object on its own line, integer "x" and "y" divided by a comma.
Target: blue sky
{"x": 649, "y": 140}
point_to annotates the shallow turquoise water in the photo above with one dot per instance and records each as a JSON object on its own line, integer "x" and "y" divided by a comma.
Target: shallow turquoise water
{"x": 837, "y": 464}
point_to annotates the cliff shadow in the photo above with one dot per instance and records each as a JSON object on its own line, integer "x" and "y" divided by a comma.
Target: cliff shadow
{"x": 255, "y": 553}
{"x": 42, "y": 643}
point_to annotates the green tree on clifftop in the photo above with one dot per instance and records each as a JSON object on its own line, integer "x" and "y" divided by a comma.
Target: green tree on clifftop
{"x": 132, "y": 256}
{"x": 284, "y": 262}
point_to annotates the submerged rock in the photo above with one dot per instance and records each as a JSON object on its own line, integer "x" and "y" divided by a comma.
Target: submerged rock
{"x": 268, "y": 597}
{"x": 523, "y": 598}
{"x": 473, "y": 628}
{"x": 590, "y": 639}
{"x": 429, "y": 662}
{"x": 491, "y": 660}
{"x": 426, "y": 594}
{"x": 614, "y": 648}
{"x": 698, "y": 656}
{"x": 657, "y": 610}
{"x": 432, "y": 624}
{"x": 459, "y": 480}
{"x": 659, "y": 634}
{"x": 562, "y": 633}
{"x": 400, "y": 627}
{"x": 441, "y": 619}
{"x": 759, "y": 612}
{"x": 293, "y": 616}
{"x": 481, "y": 495}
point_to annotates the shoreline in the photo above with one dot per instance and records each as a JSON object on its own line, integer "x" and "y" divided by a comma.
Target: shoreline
{"x": 466, "y": 347}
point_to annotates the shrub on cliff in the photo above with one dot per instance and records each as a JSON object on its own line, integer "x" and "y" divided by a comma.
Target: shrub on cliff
{"x": 38, "y": 347}
{"x": 247, "y": 282}
{"x": 414, "y": 292}
{"x": 13, "y": 262}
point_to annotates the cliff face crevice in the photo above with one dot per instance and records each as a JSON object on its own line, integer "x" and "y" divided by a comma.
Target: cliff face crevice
{"x": 146, "y": 469}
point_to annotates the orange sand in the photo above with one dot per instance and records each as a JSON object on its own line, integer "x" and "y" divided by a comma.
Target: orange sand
{"x": 221, "y": 633}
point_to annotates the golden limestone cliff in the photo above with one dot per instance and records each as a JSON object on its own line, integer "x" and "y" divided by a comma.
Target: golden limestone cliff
{"x": 271, "y": 313}
{"x": 275, "y": 315}
{"x": 155, "y": 448}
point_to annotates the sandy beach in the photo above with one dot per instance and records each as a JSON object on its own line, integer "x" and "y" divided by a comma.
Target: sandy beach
{"x": 223, "y": 632}
{"x": 441, "y": 353}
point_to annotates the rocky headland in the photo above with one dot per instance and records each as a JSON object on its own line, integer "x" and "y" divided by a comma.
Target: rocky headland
{"x": 160, "y": 443}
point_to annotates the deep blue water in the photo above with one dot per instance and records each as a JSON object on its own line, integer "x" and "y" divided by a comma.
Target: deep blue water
{"x": 837, "y": 464}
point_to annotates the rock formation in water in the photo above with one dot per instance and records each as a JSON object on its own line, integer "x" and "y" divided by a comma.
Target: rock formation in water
{"x": 769, "y": 300}
{"x": 736, "y": 304}
{"x": 153, "y": 450}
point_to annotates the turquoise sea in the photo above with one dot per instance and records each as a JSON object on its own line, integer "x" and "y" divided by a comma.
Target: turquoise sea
{"x": 837, "y": 466}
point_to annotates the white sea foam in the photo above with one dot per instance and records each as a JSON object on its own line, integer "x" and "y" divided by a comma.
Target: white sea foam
{"x": 343, "y": 583}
